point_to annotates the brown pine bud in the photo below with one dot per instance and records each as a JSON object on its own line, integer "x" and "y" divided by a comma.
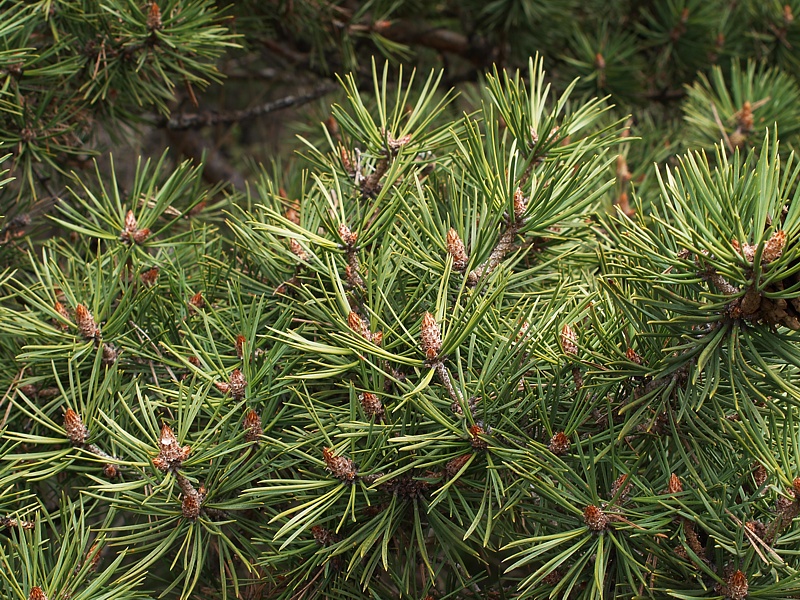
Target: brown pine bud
{"x": 359, "y": 325}
{"x": 171, "y": 454}
{"x": 759, "y": 474}
{"x": 674, "y": 486}
{"x": 298, "y": 250}
{"x": 252, "y": 426}
{"x": 323, "y": 536}
{"x": 559, "y": 444}
{"x": 293, "y": 212}
{"x": 569, "y": 340}
{"x": 110, "y": 354}
{"x": 621, "y": 483}
{"x": 553, "y": 577}
{"x": 737, "y": 586}
{"x": 140, "y": 235}
{"x": 796, "y": 487}
{"x": 395, "y": 144}
{"x": 223, "y": 386}
{"x": 520, "y": 205}
{"x": 240, "y": 340}
{"x": 773, "y": 247}
{"x": 154, "y": 17}
{"x": 377, "y": 338}
{"x": 454, "y": 465}
{"x": 595, "y": 519}
{"x": 430, "y": 336}
{"x": 348, "y": 237}
{"x": 85, "y": 322}
{"x": 475, "y": 432}
{"x": 456, "y": 249}
{"x": 371, "y": 404}
{"x": 339, "y": 466}
{"x": 746, "y": 117}
{"x": 64, "y": 313}
{"x": 632, "y": 356}
{"x": 196, "y": 302}
{"x": 149, "y": 277}
{"x": 238, "y": 384}
{"x": 30, "y": 390}
{"x": 110, "y": 471}
{"x": 130, "y": 222}
{"x": 190, "y": 506}
{"x": 76, "y": 430}
{"x": 36, "y": 593}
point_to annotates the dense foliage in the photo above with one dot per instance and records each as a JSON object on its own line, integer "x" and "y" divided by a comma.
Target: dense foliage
{"x": 491, "y": 333}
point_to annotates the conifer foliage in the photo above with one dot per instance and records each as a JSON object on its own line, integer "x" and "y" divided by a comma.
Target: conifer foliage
{"x": 463, "y": 346}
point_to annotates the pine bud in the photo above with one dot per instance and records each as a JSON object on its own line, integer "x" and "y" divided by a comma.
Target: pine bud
{"x": 476, "y": 431}
{"x": 759, "y": 474}
{"x": 110, "y": 471}
{"x": 76, "y": 430}
{"x": 371, "y": 404}
{"x": 130, "y": 222}
{"x": 621, "y": 483}
{"x": 196, "y": 302}
{"x": 85, "y": 322}
{"x": 223, "y": 386}
{"x": 252, "y": 426}
{"x": 456, "y": 249}
{"x": 632, "y": 356}
{"x": 64, "y": 313}
{"x": 359, "y": 325}
{"x": 240, "y": 340}
{"x": 323, "y": 536}
{"x": 746, "y": 117}
{"x": 237, "y": 384}
{"x": 737, "y": 586}
{"x": 595, "y": 519}
{"x": 796, "y": 487}
{"x": 520, "y": 205}
{"x": 553, "y": 577}
{"x": 773, "y": 247}
{"x": 190, "y": 506}
{"x": 674, "y": 486}
{"x": 569, "y": 340}
{"x": 110, "y": 354}
{"x": 454, "y": 465}
{"x": 430, "y": 336}
{"x": 140, "y": 235}
{"x": 559, "y": 444}
{"x": 171, "y": 454}
{"x": 297, "y": 250}
{"x": 149, "y": 277}
{"x": 36, "y": 593}
{"x": 395, "y": 144}
{"x": 154, "y": 17}
{"x": 339, "y": 466}
{"x": 348, "y": 237}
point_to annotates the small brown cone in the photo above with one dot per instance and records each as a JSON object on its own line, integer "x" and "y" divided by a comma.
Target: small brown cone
{"x": 252, "y": 426}
{"x": 621, "y": 483}
{"x": 456, "y": 249}
{"x": 371, "y": 404}
{"x": 149, "y": 277}
{"x": 454, "y": 465}
{"x": 359, "y": 325}
{"x": 559, "y": 444}
{"x": 520, "y": 205}
{"x": 477, "y": 442}
{"x": 171, "y": 453}
{"x": 773, "y": 248}
{"x": 595, "y": 519}
{"x": 85, "y": 322}
{"x": 76, "y": 430}
{"x": 154, "y": 17}
{"x": 632, "y": 356}
{"x": 298, "y": 250}
{"x": 110, "y": 354}
{"x": 238, "y": 384}
{"x": 110, "y": 471}
{"x": 796, "y": 487}
{"x": 340, "y": 466}
{"x": 737, "y": 586}
{"x": 36, "y": 593}
{"x": 191, "y": 504}
{"x": 674, "y": 486}
{"x": 759, "y": 474}
{"x": 64, "y": 313}
{"x": 196, "y": 302}
{"x": 430, "y": 336}
{"x": 240, "y": 340}
{"x": 569, "y": 340}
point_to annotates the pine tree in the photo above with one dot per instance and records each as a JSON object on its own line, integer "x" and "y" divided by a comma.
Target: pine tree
{"x": 492, "y": 333}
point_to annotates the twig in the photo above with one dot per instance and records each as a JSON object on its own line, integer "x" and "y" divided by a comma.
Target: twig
{"x": 183, "y": 122}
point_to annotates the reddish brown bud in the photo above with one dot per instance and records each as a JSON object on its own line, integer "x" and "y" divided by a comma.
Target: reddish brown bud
{"x": 595, "y": 519}
{"x": 240, "y": 340}
{"x": 298, "y": 250}
{"x": 456, "y": 249}
{"x": 395, "y": 144}
{"x": 196, "y": 302}
{"x": 140, "y": 235}
{"x": 64, "y": 313}
{"x": 252, "y": 426}
{"x": 171, "y": 454}
{"x": 454, "y": 465}
{"x": 85, "y": 322}
{"x": 223, "y": 386}
{"x": 674, "y": 486}
{"x": 796, "y": 487}
{"x": 632, "y": 356}
{"x": 76, "y": 430}
{"x": 430, "y": 336}
{"x": 476, "y": 431}
{"x": 599, "y": 61}
{"x": 737, "y": 586}
{"x": 371, "y": 404}
{"x": 773, "y": 247}
{"x": 190, "y": 506}
{"x": 130, "y": 222}
{"x": 559, "y": 444}
{"x": 238, "y": 384}
{"x": 110, "y": 471}
{"x": 110, "y": 354}
{"x": 359, "y": 325}
{"x": 154, "y": 17}
{"x": 36, "y": 593}
{"x": 149, "y": 277}
{"x": 323, "y": 536}
{"x": 348, "y": 237}
{"x": 759, "y": 474}
{"x": 569, "y": 340}
{"x": 339, "y": 466}
{"x": 621, "y": 483}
